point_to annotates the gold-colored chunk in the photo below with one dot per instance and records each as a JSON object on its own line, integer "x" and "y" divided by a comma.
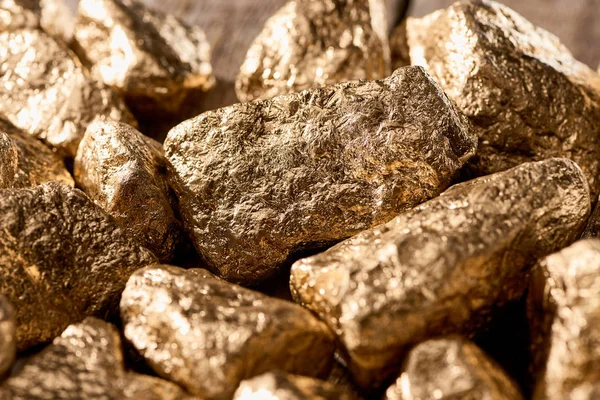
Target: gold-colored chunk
{"x": 124, "y": 172}
{"x": 86, "y": 363}
{"x": 209, "y": 335}
{"x": 451, "y": 368}
{"x": 564, "y": 310}
{"x": 259, "y": 181}
{"x": 53, "y": 16}
{"x": 310, "y": 43}
{"x": 154, "y": 59}
{"x": 526, "y": 95}
{"x": 45, "y": 91}
{"x": 25, "y": 162}
{"x": 443, "y": 267}
{"x": 61, "y": 259}
{"x": 281, "y": 386}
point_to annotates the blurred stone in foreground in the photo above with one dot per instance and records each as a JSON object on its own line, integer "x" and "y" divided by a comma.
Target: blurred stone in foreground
{"x": 85, "y": 362}
{"x": 450, "y": 368}
{"x": 564, "y": 308}
{"x": 8, "y": 336}
{"x": 260, "y": 181}
{"x": 62, "y": 258}
{"x": 310, "y": 43}
{"x": 526, "y": 95}
{"x": 281, "y": 386}
{"x": 444, "y": 266}
{"x": 208, "y": 335}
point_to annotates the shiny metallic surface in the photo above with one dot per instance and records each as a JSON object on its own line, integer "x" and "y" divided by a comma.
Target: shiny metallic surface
{"x": 451, "y": 368}
{"x": 526, "y": 95}
{"x": 45, "y": 91}
{"x": 57, "y": 19}
{"x": 154, "y": 59}
{"x": 25, "y": 161}
{"x": 54, "y": 16}
{"x": 124, "y": 172}
{"x": 85, "y": 363}
{"x": 565, "y": 317}
{"x": 61, "y": 259}
{"x": 8, "y": 336}
{"x": 259, "y": 181}
{"x": 443, "y": 267}
{"x": 208, "y": 335}
{"x": 281, "y": 386}
{"x": 310, "y": 43}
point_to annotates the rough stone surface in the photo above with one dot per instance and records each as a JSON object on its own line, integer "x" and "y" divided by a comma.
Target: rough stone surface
{"x": 259, "y": 181}
{"x": 25, "y": 161}
{"x": 526, "y": 95}
{"x": 451, "y": 368}
{"x": 8, "y": 336}
{"x": 282, "y": 386}
{"x": 443, "y": 267}
{"x": 153, "y": 58}
{"x": 85, "y": 363}
{"x": 124, "y": 172}
{"x": 209, "y": 335}
{"x": 564, "y": 310}
{"x": 592, "y": 230}
{"x": 45, "y": 91}
{"x": 311, "y": 43}
{"x": 61, "y": 259}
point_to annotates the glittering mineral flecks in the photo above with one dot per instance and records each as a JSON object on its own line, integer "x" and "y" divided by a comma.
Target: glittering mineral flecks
{"x": 564, "y": 310}
{"x": 281, "y": 386}
{"x": 153, "y": 58}
{"x": 444, "y": 266}
{"x": 85, "y": 363}
{"x": 208, "y": 335}
{"x": 526, "y": 95}
{"x": 25, "y": 161}
{"x": 124, "y": 172}
{"x": 259, "y": 181}
{"x": 316, "y": 43}
{"x": 45, "y": 91}
{"x": 61, "y": 259}
{"x": 450, "y": 368}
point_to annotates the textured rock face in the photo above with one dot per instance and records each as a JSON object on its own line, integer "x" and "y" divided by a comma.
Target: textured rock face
{"x": 8, "y": 336}
{"x": 53, "y": 16}
{"x": 281, "y": 386}
{"x": 153, "y": 58}
{"x": 565, "y": 317}
{"x": 208, "y": 335}
{"x": 46, "y": 92}
{"x": 85, "y": 362}
{"x": 451, "y": 368}
{"x": 124, "y": 172}
{"x": 310, "y": 43}
{"x": 24, "y": 161}
{"x": 444, "y": 266}
{"x": 525, "y": 94}
{"x": 258, "y": 181}
{"x": 61, "y": 259}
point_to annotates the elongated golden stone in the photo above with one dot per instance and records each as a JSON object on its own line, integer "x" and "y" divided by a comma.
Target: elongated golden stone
{"x": 61, "y": 259}
{"x": 444, "y": 266}
{"x": 154, "y": 59}
{"x": 564, "y": 312}
{"x": 8, "y": 336}
{"x": 25, "y": 161}
{"x": 310, "y": 43}
{"x": 86, "y": 362}
{"x": 45, "y": 91}
{"x": 259, "y": 181}
{"x": 525, "y": 94}
{"x": 451, "y": 368}
{"x": 208, "y": 335}
{"x": 124, "y": 172}
{"x": 281, "y": 386}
